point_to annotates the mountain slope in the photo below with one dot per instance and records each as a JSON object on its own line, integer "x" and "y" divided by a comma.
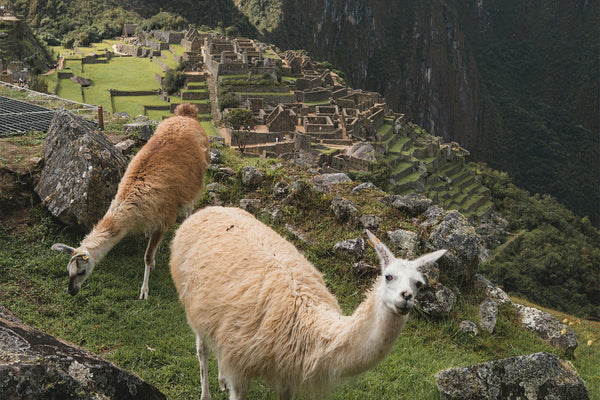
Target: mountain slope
{"x": 514, "y": 82}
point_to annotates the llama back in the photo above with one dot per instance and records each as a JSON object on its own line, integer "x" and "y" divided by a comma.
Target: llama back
{"x": 252, "y": 293}
{"x": 167, "y": 173}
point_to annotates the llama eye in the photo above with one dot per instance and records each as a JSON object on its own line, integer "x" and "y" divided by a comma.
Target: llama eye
{"x": 388, "y": 278}
{"x": 419, "y": 284}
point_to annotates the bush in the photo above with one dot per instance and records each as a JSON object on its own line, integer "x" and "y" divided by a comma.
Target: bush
{"x": 173, "y": 81}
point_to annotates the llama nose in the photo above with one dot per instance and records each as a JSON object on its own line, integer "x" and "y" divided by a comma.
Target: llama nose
{"x": 406, "y": 295}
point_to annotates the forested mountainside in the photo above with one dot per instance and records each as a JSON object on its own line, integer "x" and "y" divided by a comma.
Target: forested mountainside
{"x": 514, "y": 82}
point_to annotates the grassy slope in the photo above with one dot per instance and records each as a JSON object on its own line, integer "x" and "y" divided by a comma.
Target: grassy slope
{"x": 152, "y": 339}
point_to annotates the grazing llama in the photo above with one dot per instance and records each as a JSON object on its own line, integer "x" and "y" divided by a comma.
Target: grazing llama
{"x": 165, "y": 176}
{"x": 266, "y": 310}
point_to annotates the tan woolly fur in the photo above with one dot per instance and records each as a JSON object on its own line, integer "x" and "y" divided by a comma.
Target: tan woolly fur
{"x": 165, "y": 177}
{"x": 266, "y": 311}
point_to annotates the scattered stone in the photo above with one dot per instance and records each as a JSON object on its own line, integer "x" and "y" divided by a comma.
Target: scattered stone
{"x": 370, "y": 222}
{"x": 412, "y": 203}
{"x": 216, "y": 156}
{"x": 125, "y": 145}
{"x": 252, "y": 176}
{"x": 121, "y": 115}
{"x": 250, "y": 205}
{"x": 436, "y": 301}
{"x": 295, "y": 233}
{"x": 551, "y": 330}
{"x": 353, "y": 248}
{"x": 227, "y": 171}
{"x": 35, "y": 365}
{"x": 216, "y": 141}
{"x": 81, "y": 173}
{"x": 468, "y": 327}
{"x": 492, "y": 291}
{"x": 81, "y": 81}
{"x": 529, "y": 377}
{"x": 363, "y": 151}
{"x": 215, "y": 187}
{"x": 281, "y": 189}
{"x": 406, "y": 241}
{"x": 455, "y": 234}
{"x": 488, "y": 315}
{"x": 365, "y": 267}
{"x": 343, "y": 209}
{"x": 363, "y": 186}
{"x": 323, "y": 183}
{"x": 143, "y": 130}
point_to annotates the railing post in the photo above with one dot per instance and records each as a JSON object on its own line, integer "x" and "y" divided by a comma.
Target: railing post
{"x": 100, "y": 118}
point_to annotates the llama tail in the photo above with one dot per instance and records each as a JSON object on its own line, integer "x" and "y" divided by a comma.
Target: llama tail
{"x": 186, "y": 110}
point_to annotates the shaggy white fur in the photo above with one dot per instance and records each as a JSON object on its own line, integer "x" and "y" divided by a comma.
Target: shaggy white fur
{"x": 266, "y": 310}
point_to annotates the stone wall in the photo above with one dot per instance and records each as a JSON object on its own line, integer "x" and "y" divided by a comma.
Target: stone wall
{"x": 194, "y": 95}
{"x": 271, "y": 99}
{"x": 344, "y": 162}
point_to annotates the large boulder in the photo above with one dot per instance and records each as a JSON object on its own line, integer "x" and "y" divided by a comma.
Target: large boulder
{"x": 551, "y": 330}
{"x": 37, "y": 366}
{"x": 82, "y": 171}
{"x": 532, "y": 377}
{"x": 455, "y": 234}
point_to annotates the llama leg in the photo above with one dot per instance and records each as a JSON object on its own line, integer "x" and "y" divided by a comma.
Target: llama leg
{"x": 285, "y": 394}
{"x": 238, "y": 389}
{"x": 149, "y": 260}
{"x": 222, "y": 379}
{"x": 202, "y": 351}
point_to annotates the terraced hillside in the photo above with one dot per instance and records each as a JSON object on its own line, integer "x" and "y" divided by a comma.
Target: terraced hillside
{"x": 424, "y": 163}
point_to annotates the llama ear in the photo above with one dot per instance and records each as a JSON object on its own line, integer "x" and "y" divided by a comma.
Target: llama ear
{"x": 385, "y": 255}
{"x": 429, "y": 258}
{"x": 63, "y": 247}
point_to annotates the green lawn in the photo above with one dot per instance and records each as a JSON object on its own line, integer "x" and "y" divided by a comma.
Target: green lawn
{"x": 209, "y": 128}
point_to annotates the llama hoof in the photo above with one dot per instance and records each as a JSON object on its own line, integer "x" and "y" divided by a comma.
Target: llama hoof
{"x": 222, "y": 385}
{"x": 144, "y": 296}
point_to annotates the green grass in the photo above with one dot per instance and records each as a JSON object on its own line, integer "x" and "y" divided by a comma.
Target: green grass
{"x": 209, "y": 128}
{"x": 383, "y": 129}
{"x": 152, "y": 338}
{"x": 397, "y": 147}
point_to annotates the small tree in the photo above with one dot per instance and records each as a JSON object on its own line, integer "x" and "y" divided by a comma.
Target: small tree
{"x": 173, "y": 81}
{"x": 237, "y": 119}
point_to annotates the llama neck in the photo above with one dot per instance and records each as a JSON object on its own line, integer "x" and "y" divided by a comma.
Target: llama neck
{"x": 105, "y": 235}
{"x": 366, "y": 337}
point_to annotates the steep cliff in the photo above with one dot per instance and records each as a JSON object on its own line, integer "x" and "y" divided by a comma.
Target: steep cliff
{"x": 514, "y": 82}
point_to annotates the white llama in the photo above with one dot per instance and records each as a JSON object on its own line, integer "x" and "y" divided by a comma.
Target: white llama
{"x": 165, "y": 176}
{"x": 266, "y": 310}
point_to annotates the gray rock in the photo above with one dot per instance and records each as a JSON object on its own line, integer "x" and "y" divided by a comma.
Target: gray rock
{"x": 252, "y": 176}
{"x": 406, "y": 241}
{"x": 370, "y": 222}
{"x": 216, "y": 156}
{"x": 216, "y": 141}
{"x": 125, "y": 145}
{"x": 281, "y": 189}
{"x": 324, "y": 182}
{"x": 344, "y": 209}
{"x": 433, "y": 215}
{"x": 488, "y": 315}
{"x": 436, "y": 301}
{"x": 295, "y": 233}
{"x": 215, "y": 187}
{"x": 492, "y": 291}
{"x": 227, "y": 171}
{"x": 455, "y": 234}
{"x": 529, "y": 377}
{"x": 551, "y": 330}
{"x": 35, "y": 365}
{"x": 468, "y": 327}
{"x": 353, "y": 248}
{"x": 250, "y": 205}
{"x": 412, "y": 203}
{"x": 81, "y": 173}
{"x": 121, "y": 115}
{"x": 363, "y": 186}
{"x": 142, "y": 129}
{"x": 363, "y": 151}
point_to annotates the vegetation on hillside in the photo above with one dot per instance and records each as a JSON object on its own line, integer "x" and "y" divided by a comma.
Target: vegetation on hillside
{"x": 554, "y": 259}
{"x": 152, "y": 338}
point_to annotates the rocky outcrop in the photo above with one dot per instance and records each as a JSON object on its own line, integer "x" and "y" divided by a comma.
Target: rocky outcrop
{"x": 531, "y": 377}
{"x": 551, "y": 330}
{"x": 82, "y": 171}
{"x": 37, "y": 366}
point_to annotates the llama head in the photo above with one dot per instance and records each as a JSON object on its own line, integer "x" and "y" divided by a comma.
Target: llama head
{"x": 402, "y": 279}
{"x": 79, "y": 268}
